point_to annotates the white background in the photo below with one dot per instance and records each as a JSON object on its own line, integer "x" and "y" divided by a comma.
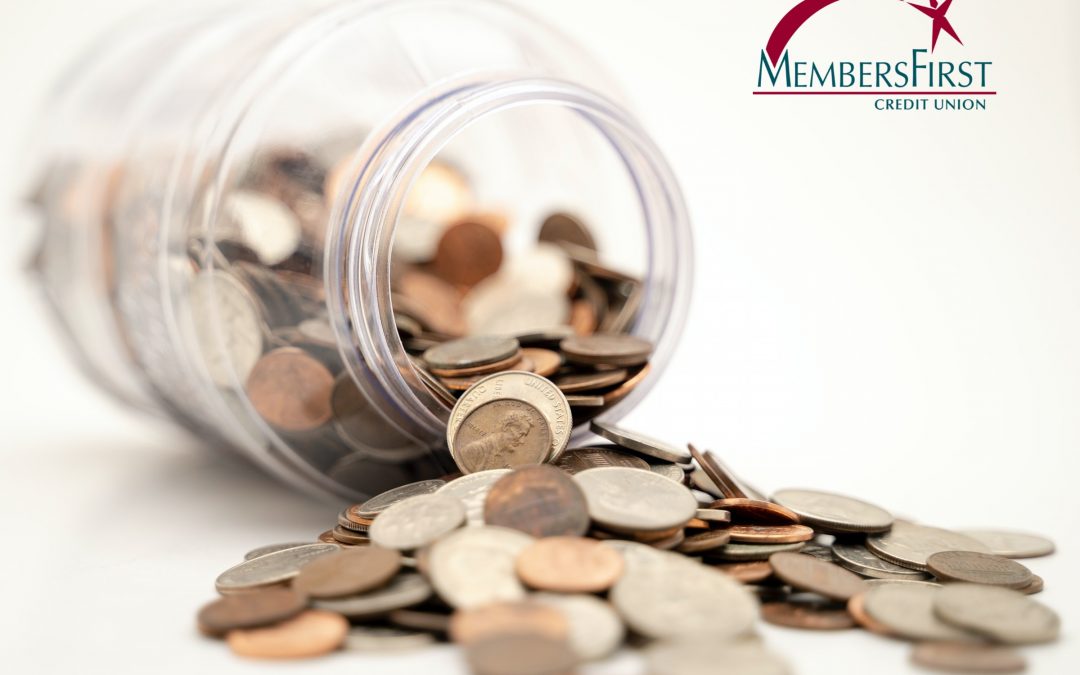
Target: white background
{"x": 886, "y": 304}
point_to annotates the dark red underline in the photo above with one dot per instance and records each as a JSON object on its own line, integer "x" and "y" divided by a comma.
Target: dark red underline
{"x": 875, "y": 93}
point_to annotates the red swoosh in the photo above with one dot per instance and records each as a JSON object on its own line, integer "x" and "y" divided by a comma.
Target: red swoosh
{"x": 791, "y": 23}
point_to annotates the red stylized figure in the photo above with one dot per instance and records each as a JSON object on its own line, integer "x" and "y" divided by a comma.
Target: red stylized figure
{"x": 941, "y": 22}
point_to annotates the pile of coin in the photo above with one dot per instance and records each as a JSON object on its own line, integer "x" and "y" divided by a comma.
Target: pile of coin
{"x": 564, "y": 556}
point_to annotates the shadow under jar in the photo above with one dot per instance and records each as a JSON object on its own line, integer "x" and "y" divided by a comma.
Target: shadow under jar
{"x": 256, "y": 220}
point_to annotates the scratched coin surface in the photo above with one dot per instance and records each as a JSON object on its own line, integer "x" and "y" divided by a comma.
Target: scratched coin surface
{"x": 832, "y": 513}
{"x": 475, "y": 566}
{"x": 385, "y": 500}
{"x": 417, "y": 521}
{"x": 271, "y": 568}
{"x": 472, "y": 489}
{"x": 629, "y": 500}
{"x": 502, "y": 434}
{"x": 978, "y": 568}
{"x": 807, "y": 573}
{"x": 569, "y": 565}
{"x": 1002, "y": 614}
{"x": 541, "y": 501}
{"x": 640, "y": 443}
{"x": 909, "y": 545}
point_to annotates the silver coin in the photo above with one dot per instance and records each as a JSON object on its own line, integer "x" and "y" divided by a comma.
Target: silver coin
{"x": 471, "y": 352}
{"x": 819, "y": 551}
{"x": 496, "y": 306}
{"x": 827, "y": 512}
{"x": 738, "y": 552}
{"x": 669, "y": 471}
{"x": 266, "y": 226}
{"x": 1012, "y": 544}
{"x": 381, "y": 502}
{"x": 472, "y": 490}
{"x": 697, "y": 657}
{"x": 631, "y": 500}
{"x": 596, "y": 630}
{"x": 383, "y": 639}
{"x": 271, "y": 568}
{"x": 909, "y": 545}
{"x": 640, "y": 443}
{"x": 907, "y": 609}
{"x": 1001, "y": 614}
{"x": 272, "y": 548}
{"x": 856, "y": 558}
{"x": 416, "y": 522}
{"x": 404, "y": 590}
{"x": 475, "y": 566}
{"x": 226, "y": 325}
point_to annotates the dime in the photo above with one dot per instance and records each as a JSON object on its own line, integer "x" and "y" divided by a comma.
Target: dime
{"x": 670, "y": 471}
{"x": 706, "y": 541}
{"x": 523, "y": 617}
{"x": 629, "y": 500}
{"x": 381, "y": 502}
{"x": 817, "y": 576}
{"x": 559, "y": 228}
{"x": 744, "y": 552}
{"x": 545, "y": 362}
{"x": 756, "y": 511}
{"x": 688, "y": 656}
{"x": 383, "y": 639}
{"x": 526, "y": 654}
{"x": 967, "y": 657}
{"x": 1012, "y": 544}
{"x": 541, "y": 501}
{"x": 569, "y": 565}
{"x": 347, "y": 572}
{"x": 468, "y": 253}
{"x": 311, "y": 633}
{"x": 612, "y": 349}
{"x": 472, "y": 490}
{"x": 906, "y": 609}
{"x": 978, "y": 568}
{"x": 806, "y": 615}
{"x": 595, "y": 630}
{"x": 640, "y": 443}
{"x": 272, "y": 548}
{"x": 747, "y": 572}
{"x": 271, "y": 568}
{"x": 249, "y": 610}
{"x": 471, "y": 352}
{"x": 1002, "y": 614}
{"x": 417, "y": 521}
{"x": 475, "y": 566}
{"x": 291, "y": 390}
{"x": 573, "y": 383}
{"x": 405, "y": 590}
{"x": 827, "y": 512}
{"x": 502, "y": 434}
{"x": 909, "y": 545}
{"x": 770, "y": 534}
{"x": 577, "y": 460}
{"x": 856, "y": 558}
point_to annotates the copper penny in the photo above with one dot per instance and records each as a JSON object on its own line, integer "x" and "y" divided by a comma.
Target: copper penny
{"x": 563, "y": 228}
{"x": 978, "y": 568}
{"x": 468, "y": 253}
{"x": 577, "y": 382}
{"x": 806, "y": 615}
{"x": 255, "y": 608}
{"x": 747, "y": 572}
{"x": 434, "y": 302}
{"x": 614, "y": 349}
{"x": 521, "y": 655}
{"x": 770, "y": 534}
{"x": 348, "y": 572}
{"x": 577, "y": 460}
{"x": 545, "y": 362}
{"x": 756, "y": 511}
{"x": 311, "y": 633}
{"x": 857, "y": 609}
{"x": 968, "y": 657}
{"x": 724, "y": 482}
{"x": 538, "y": 500}
{"x": 291, "y": 390}
{"x": 623, "y": 390}
{"x": 341, "y": 535}
{"x": 507, "y": 618}
{"x": 502, "y": 434}
{"x": 817, "y": 576}
{"x": 705, "y": 541}
{"x": 327, "y": 537}
{"x": 569, "y": 565}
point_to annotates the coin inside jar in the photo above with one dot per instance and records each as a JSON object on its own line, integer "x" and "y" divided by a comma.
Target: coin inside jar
{"x": 471, "y": 352}
{"x": 291, "y": 389}
{"x": 613, "y": 349}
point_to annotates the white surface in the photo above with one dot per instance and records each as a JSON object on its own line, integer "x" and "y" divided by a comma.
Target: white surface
{"x": 886, "y": 305}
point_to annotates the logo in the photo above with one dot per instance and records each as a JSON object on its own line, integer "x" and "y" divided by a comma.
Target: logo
{"x": 913, "y": 80}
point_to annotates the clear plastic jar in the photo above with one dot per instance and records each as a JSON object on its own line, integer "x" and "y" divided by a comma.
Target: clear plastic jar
{"x": 152, "y": 145}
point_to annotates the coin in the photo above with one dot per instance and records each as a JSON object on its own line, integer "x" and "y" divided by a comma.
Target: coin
{"x": 572, "y": 383}
{"x": 384, "y": 639}
{"x": 827, "y": 512}
{"x": 475, "y": 566}
{"x": 291, "y": 390}
{"x": 502, "y": 434}
{"x": 470, "y": 352}
{"x": 266, "y": 225}
{"x": 472, "y": 490}
{"x": 629, "y": 500}
{"x": 347, "y": 536}
{"x": 595, "y": 630}
{"x": 978, "y": 568}
{"x": 1012, "y": 544}
{"x": 514, "y": 362}
{"x": 909, "y": 545}
{"x": 856, "y": 558}
{"x": 705, "y": 541}
{"x": 272, "y": 548}
{"x": 271, "y": 568}
{"x": 640, "y": 443}
{"x": 770, "y": 534}
{"x": 404, "y": 590}
{"x": 420, "y": 620}
{"x": 697, "y": 657}
{"x": 347, "y": 572}
{"x": 381, "y": 502}
{"x": 526, "y": 654}
{"x": 745, "y": 552}
{"x": 806, "y": 615}
{"x": 539, "y": 500}
{"x": 906, "y": 609}
{"x": 612, "y": 349}
{"x": 577, "y": 460}
{"x": 523, "y": 617}
{"x": 417, "y": 521}
{"x": 670, "y": 471}
{"x": 561, "y": 228}
{"x": 856, "y": 607}
{"x": 1002, "y": 614}
{"x": 714, "y": 515}
{"x": 545, "y": 362}
{"x": 468, "y": 253}
{"x": 1036, "y": 586}
{"x": 362, "y": 426}
{"x": 226, "y": 326}
{"x": 359, "y": 525}
{"x": 569, "y": 565}
{"x": 249, "y": 610}
{"x": 966, "y": 657}
{"x": 817, "y": 576}
{"x": 434, "y": 302}
{"x": 747, "y": 572}
{"x": 756, "y": 511}
{"x": 719, "y": 478}
{"x": 310, "y": 633}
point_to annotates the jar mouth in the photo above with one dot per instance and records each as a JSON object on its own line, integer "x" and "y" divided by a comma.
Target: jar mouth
{"x": 367, "y": 211}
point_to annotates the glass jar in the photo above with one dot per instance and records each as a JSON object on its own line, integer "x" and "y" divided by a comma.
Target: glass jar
{"x": 217, "y": 188}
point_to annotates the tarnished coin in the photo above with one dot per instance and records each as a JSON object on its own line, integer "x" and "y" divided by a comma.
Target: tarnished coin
{"x": 524, "y": 654}
{"x": 311, "y": 633}
{"x": 381, "y": 502}
{"x": 595, "y": 630}
{"x": 817, "y": 576}
{"x": 475, "y": 566}
{"x": 612, "y": 349}
{"x": 827, "y": 512}
{"x": 347, "y": 572}
{"x": 249, "y": 610}
{"x": 1002, "y": 614}
{"x": 385, "y": 639}
{"x": 909, "y": 545}
{"x": 417, "y": 521}
{"x": 472, "y": 489}
{"x": 501, "y": 434}
{"x": 569, "y": 565}
{"x": 978, "y": 568}
{"x": 697, "y": 657}
{"x": 856, "y": 558}
{"x": 560, "y": 228}
{"x": 577, "y": 460}
{"x": 523, "y": 617}
{"x": 640, "y": 443}
{"x": 967, "y": 657}
{"x": 545, "y": 362}
{"x": 573, "y": 383}
{"x": 906, "y": 609}
{"x": 1012, "y": 544}
{"x": 745, "y": 552}
{"x": 756, "y": 511}
{"x": 541, "y": 501}
{"x": 271, "y": 568}
{"x": 291, "y": 389}
{"x": 807, "y": 615}
{"x": 629, "y": 500}
{"x": 404, "y": 590}
{"x": 471, "y": 352}
{"x": 272, "y": 548}
{"x": 770, "y": 534}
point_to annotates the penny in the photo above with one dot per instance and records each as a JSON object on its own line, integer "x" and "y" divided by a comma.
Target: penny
{"x": 502, "y": 434}
{"x": 640, "y": 443}
{"x": 714, "y": 515}
{"x": 347, "y": 572}
{"x": 577, "y": 382}
{"x": 706, "y": 541}
{"x": 468, "y": 253}
{"x": 541, "y": 501}
{"x": 384, "y": 639}
{"x": 291, "y": 390}
{"x": 271, "y": 568}
{"x": 698, "y": 657}
{"x": 719, "y": 478}
{"x": 475, "y": 566}
{"x": 747, "y": 572}
{"x": 346, "y": 536}
{"x": 507, "y": 618}
{"x": 471, "y": 352}
{"x": 417, "y": 521}
{"x": 472, "y": 491}
{"x": 909, "y": 545}
{"x": 770, "y": 534}
{"x": 404, "y": 590}
{"x": 438, "y": 303}
{"x": 756, "y": 511}
{"x": 379, "y": 503}
{"x": 967, "y": 657}
{"x": 1012, "y": 544}
{"x": 569, "y": 565}
{"x": 827, "y": 512}
{"x": 817, "y": 576}
{"x": 1002, "y": 614}
{"x": 526, "y": 654}
{"x": 806, "y": 615}
{"x": 595, "y": 630}
{"x": 745, "y": 552}
{"x": 272, "y": 548}
{"x": 612, "y": 349}
{"x": 978, "y": 568}
{"x": 561, "y": 228}
{"x": 623, "y": 390}
{"x": 327, "y": 537}
{"x": 906, "y": 609}
{"x": 855, "y": 557}
{"x": 311, "y": 633}
{"x": 545, "y": 362}
{"x": 629, "y": 500}
{"x": 577, "y": 460}
{"x": 250, "y": 610}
